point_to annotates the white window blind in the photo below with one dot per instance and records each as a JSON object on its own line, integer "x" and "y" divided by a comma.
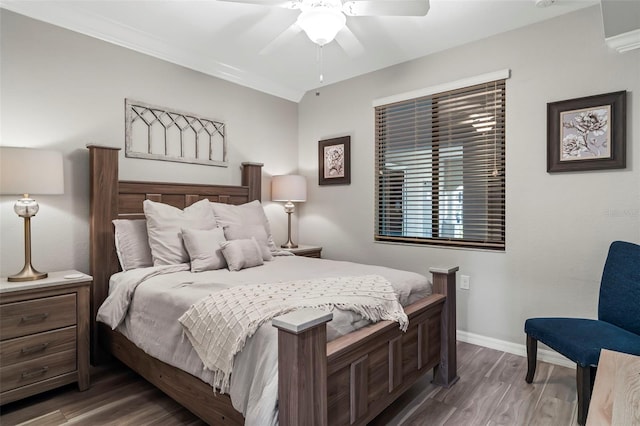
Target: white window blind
{"x": 440, "y": 168}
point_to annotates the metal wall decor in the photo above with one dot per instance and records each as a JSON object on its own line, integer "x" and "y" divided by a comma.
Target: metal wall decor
{"x": 158, "y": 133}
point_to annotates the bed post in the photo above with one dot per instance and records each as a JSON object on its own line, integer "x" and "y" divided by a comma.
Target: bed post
{"x": 444, "y": 282}
{"x": 252, "y": 177}
{"x": 104, "y": 207}
{"x": 302, "y": 367}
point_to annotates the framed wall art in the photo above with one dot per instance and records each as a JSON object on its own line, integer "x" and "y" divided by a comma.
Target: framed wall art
{"x": 587, "y": 133}
{"x": 334, "y": 161}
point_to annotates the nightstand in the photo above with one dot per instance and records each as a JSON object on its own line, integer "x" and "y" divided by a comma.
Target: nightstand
{"x": 44, "y": 334}
{"x": 306, "y": 251}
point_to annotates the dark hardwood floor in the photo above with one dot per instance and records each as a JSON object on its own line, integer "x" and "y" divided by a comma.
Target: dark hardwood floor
{"x": 491, "y": 391}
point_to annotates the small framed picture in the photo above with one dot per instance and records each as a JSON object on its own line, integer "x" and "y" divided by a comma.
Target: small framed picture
{"x": 334, "y": 161}
{"x": 587, "y": 133}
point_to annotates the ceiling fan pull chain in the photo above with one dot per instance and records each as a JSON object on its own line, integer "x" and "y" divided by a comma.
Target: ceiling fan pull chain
{"x": 320, "y": 64}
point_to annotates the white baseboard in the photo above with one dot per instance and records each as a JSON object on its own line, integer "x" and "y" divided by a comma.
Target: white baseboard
{"x": 513, "y": 348}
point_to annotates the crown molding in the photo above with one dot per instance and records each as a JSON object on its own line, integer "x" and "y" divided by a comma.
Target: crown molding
{"x": 97, "y": 26}
{"x": 624, "y": 42}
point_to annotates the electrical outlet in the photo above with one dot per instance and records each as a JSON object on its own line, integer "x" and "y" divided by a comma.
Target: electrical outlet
{"x": 464, "y": 282}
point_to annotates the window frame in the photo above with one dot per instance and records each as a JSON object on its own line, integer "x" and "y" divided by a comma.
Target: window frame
{"x": 494, "y": 208}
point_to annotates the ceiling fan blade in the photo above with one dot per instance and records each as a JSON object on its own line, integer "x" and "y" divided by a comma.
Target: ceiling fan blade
{"x": 281, "y": 39}
{"x": 291, "y": 4}
{"x": 349, "y": 42}
{"x": 386, "y": 7}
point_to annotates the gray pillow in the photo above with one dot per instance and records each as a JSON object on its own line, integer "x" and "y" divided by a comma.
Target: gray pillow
{"x": 241, "y": 254}
{"x": 245, "y": 232}
{"x": 164, "y": 226}
{"x": 204, "y": 250}
{"x": 249, "y": 214}
{"x": 132, "y": 243}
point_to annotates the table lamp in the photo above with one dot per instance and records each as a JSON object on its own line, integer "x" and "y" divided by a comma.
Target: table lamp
{"x": 29, "y": 171}
{"x": 289, "y": 188}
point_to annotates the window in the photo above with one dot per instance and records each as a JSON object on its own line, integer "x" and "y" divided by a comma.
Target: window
{"x": 440, "y": 167}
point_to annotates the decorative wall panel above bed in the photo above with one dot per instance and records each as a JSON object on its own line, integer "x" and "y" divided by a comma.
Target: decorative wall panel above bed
{"x": 159, "y": 133}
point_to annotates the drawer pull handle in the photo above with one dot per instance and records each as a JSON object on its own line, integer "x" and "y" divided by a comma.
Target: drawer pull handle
{"x": 33, "y": 349}
{"x": 34, "y": 373}
{"x": 34, "y": 318}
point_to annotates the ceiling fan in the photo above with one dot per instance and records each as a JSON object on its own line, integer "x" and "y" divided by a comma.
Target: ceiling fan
{"x": 322, "y": 20}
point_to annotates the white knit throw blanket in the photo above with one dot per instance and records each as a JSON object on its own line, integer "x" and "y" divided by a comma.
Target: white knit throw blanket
{"x": 219, "y": 325}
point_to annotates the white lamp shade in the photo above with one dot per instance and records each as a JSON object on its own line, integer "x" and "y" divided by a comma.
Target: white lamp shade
{"x": 321, "y": 23}
{"x": 30, "y": 171}
{"x": 289, "y": 188}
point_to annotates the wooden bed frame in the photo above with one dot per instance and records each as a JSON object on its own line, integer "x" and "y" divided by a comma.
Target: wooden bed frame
{"x": 347, "y": 381}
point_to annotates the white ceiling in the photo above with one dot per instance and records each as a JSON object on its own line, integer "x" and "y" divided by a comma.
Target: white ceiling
{"x": 235, "y": 41}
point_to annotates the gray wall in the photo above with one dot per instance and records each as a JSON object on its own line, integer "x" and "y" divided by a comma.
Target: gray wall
{"x": 558, "y": 226}
{"x": 620, "y": 16}
{"x": 62, "y": 90}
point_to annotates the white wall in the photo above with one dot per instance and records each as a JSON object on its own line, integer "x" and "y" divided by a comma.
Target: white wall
{"x": 62, "y": 90}
{"x": 559, "y": 226}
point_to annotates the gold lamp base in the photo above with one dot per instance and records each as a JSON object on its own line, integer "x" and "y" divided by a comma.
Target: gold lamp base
{"x": 289, "y": 245}
{"x": 28, "y": 273}
{"x": 289, "y": 208}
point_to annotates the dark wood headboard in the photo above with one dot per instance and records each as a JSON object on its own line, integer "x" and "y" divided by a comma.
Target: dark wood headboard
{"x": 114, "y": 199}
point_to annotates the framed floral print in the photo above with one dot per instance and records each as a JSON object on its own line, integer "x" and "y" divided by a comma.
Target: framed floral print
{"x": 334, "y": 161}
{"x": 587, "y": 133}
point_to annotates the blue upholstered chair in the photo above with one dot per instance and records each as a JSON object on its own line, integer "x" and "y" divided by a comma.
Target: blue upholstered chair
{"x": 617, "y": 327}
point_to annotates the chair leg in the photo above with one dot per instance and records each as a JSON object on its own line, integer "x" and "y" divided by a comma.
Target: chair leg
{"x": 585, "y": 377}
{"x": 532, "y": 353}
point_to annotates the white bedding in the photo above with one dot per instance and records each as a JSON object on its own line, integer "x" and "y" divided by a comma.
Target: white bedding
{"x": 149, "y": 302}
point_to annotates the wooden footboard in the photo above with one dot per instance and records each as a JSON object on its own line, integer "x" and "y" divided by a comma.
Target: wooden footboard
{"x": 365, "y": 370}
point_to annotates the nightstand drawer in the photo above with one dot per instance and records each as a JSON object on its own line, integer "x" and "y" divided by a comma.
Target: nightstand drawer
{"x": 33, "y": 316}
{"x": 311, "y": 253}
{"x": 306, "y": 251}
{"x": 23, "y": 349}
{"x": 44, "y": 334}
{"x": 25, "y": 373}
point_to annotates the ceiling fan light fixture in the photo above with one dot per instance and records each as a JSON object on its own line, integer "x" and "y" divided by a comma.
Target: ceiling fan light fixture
{"x": 544, "y": 3}
{"x": 321, "y": 23}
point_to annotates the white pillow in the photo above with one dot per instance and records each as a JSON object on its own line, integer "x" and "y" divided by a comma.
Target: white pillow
{"x": 241, "y": 254}
{"x": 204, "y": 250}
{"x": 164, "y": 226}
{"x": 249, "y": 214}
{"x": 132, "y": 243}
{"x": 245, "y": 232}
